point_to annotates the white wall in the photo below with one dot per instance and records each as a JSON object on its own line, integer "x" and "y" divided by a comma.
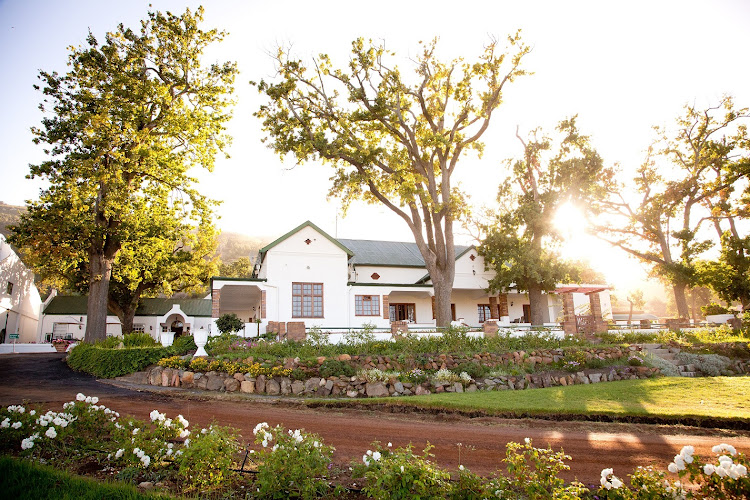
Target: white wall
{"x": 321, "y": 261}
{"x": 19, "y": 309}
{"x": 401, "y": 275}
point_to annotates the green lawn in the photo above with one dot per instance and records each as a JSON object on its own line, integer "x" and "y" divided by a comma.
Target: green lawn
{"x": 22, "y": 480}
{"x": 721, "y": 397}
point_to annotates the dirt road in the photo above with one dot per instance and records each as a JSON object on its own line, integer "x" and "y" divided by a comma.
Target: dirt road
{"x": 45, "y": 378}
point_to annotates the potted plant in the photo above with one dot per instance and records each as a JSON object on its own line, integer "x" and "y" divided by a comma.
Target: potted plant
{"x": 61, "y": 345}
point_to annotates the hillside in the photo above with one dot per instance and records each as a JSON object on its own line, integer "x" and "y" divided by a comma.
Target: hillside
{"x": 9, "y": 214}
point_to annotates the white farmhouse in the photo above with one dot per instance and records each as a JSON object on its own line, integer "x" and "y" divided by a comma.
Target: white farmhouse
{"x": 306, "y": 278}
{"x": 19, "y": 298}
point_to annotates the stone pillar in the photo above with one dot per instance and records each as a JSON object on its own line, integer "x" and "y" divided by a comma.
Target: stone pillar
{"x": 215, "y": 302}
{"x": 569, "y": 314}
{"x": 645, "y": 324}
{"x": 600, "y": 326}
{"x": 489, "y": 327}
{"x": 494, "y": 309}
{"x": 502, "y": 305}
{"x": 296, "y": 331}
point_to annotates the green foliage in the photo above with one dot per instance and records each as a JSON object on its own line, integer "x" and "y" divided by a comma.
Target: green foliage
{"x": 470, "y": 486}
{"x": 291, "y": 464}
{"x": 207, "y": 461}
{"x": 335, "y": 368}
{"x": 111, "y": 342}
{"x": 240, "y": 268}
{"x": 475, "y": 370}
{"x": 229, "y": 323}
{"x": 223, "y": 343}
{"x": 533, "y": 472}
{"x": 183, "y": 344}
{"x": 400, "y": 474}
{"x": 138, "y": 339}
{"x": 174, "y": 362}
{"x": 121, "y": 130}
{"x": 110, "y": 363}
{"x": 22, "y": 479}
{"x": 714, "y": 308}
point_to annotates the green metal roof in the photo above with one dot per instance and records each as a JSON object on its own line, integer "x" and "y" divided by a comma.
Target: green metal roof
{"x": 389, "y": 253}
{"x": 76, "y": 305}
{"x": 262, "y": 251}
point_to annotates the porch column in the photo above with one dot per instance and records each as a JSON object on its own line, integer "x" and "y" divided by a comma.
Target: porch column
{"x": 600, "y": 326}
{"x": 503, "y": 304}
{"x": 263, "y": 304}
{"x": 569, "y": 314}
{"x": 386, "y": 309}
{"x": 215, "y": 302}
{"x": 494, "y": 309}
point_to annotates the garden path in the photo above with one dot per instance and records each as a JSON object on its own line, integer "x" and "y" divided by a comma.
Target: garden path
{"x": 45, "y": 378}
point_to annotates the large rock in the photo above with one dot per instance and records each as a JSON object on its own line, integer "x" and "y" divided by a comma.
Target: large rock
{"x": 398, "y": 387}
{"x": 187, "y": 379}
{"x": 285, "y": 385}
{"x": 247, "y": 386}
{"x": 376, "y": 390}
{"x": 260, "y": 384}
{"x": 312, "y": 384}
{"x": 155, "y": 376}
{"x": 202, "y": 382}
{"x": 231, "y": 384}
{"x": 595, "y": 377}
{"x": 421, "y": 391}
{"x": 272, "y": 387}
{"x": 298, "y": 387}
{"x": 214, "y": 382}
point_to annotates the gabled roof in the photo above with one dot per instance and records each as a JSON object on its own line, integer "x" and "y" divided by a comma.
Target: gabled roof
{"x": 262, "y": 251}
{"x": 389, "y": 253}
{"x": 460, "y": 252}
{"x": 76, "y": 305}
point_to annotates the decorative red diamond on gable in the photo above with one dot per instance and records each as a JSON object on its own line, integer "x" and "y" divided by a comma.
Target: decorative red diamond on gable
{"x": 375, "y": 276}
{"x": 308, "y": 241}
{"x": 472, "y": 257}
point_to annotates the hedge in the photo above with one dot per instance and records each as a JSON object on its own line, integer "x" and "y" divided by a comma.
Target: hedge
{"x": 110, "y": 363}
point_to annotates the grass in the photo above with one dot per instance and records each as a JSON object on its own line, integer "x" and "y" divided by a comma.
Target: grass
{"x": 23, "y": 480}
{"x": 669, "y": 397}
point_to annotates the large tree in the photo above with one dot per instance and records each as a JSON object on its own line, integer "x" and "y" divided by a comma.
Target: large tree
{"x": 682, "y": 173}
{"x": 122, "y": 128}
{"x": 391, "y": 140}
{"x": 522, "y": 242}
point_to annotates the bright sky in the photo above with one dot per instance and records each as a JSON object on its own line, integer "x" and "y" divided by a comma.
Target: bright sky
{"x": 622, "y": 67}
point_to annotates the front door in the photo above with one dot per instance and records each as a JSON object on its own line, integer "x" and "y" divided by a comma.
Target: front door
{"x": 177, "y": 327}
{"x": 402, "y": 312}
{"x": 526, "y": 313}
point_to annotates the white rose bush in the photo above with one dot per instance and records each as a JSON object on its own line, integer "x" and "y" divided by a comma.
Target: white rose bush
{"x": 297, "y": 464}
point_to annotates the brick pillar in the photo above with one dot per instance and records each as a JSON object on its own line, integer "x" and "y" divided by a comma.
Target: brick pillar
{"x": 399, "y": 328}
{"x": 490, "y": 328}
{"x": 600, "y": 326}
{"x": 263, "y": 304}
{"x": 386, "y": 310}
{"x": 296, "y": 331}
{"x": 502, "y": 305}
{"x": 215, "y": 302}
{"x": 569, "y": 314}
{"x": 494, "y": 309}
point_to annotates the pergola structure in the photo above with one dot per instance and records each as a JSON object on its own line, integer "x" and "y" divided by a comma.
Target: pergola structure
{"x": 586, "y": 325}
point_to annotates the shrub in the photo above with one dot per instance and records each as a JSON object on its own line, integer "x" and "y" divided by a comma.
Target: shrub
{"x": 376, "y": 375}
{"x": 400, "y": 474}
{"x": 138, "y": 339}
{"x": 173, "y": 362}
{"x": 335, "y": 368}
{"x": 475, "y": 370}
{"x": 220, "y": 344}
{"x": 710, "y": 364}
{"x": 445, "y": 376}
{"x": 533, "y": 472}
{"x": 229, "y": 323}
{"x": 111, "y": 342}
{"x": 110, "y": 363}
{"x": 665, "y": 367}
{"x": 291, "y": 463}
{"x": 183, "y": 344}
{"x": 713, "y": 308}
{"x": 207, "y": 459}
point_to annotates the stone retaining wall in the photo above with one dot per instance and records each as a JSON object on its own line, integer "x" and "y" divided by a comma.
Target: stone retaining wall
{"x": 353, "y": 387}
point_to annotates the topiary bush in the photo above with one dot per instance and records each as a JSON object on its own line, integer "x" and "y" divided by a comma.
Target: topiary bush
{"x": 229, "y": 323}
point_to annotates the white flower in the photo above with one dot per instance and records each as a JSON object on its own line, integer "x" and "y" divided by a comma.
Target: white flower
{"x": 527, "y": 440}
{"x": 672, "y": 468}
{"x": 741, "y": 470}
{"x": 402, "y": 469}
{"x": 187, "y": 443}
{"x": 261, "y": 426}
{"x": 365, "y": 459}
{"x": 51, "y": 433}
{"x": 616, "y": 483}
{"x": 88, "y": 399}
{"x": 275, "y": 447}
{"x": 119, "y": 453}
{"x": 723, "y": 447}
{"x": 16, "y": 425}
{"x": 184, "y": 433}
{"x": 607, "y": 472}
{"x": 32, "y": 412}
{"x": 182, "y": 420}
{"x": 316, "y": 444}
{"x": 27, "y": 444}
{"x": 135, "y": 431}
{"x": 94, "y": 399}
{"x": 708, "y": 469}
{"x": 154, "y": 415}
{"x": 389, "y": 444}
{"x": 376, "y": 456}
{"x": 146, "y": 460}
{"x": 136, "y": 451}
{"x": 5, "y": 423}
{"x": 461, "y": 467}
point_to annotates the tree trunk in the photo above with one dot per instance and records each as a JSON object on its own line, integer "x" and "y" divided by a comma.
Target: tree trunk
{"x": 443, "y": 289}
{"x": 125, "y": 314}
{"x": 680, "y": 300}
{"x": 96, "y": 311}
{"x": 538, "y": 308}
